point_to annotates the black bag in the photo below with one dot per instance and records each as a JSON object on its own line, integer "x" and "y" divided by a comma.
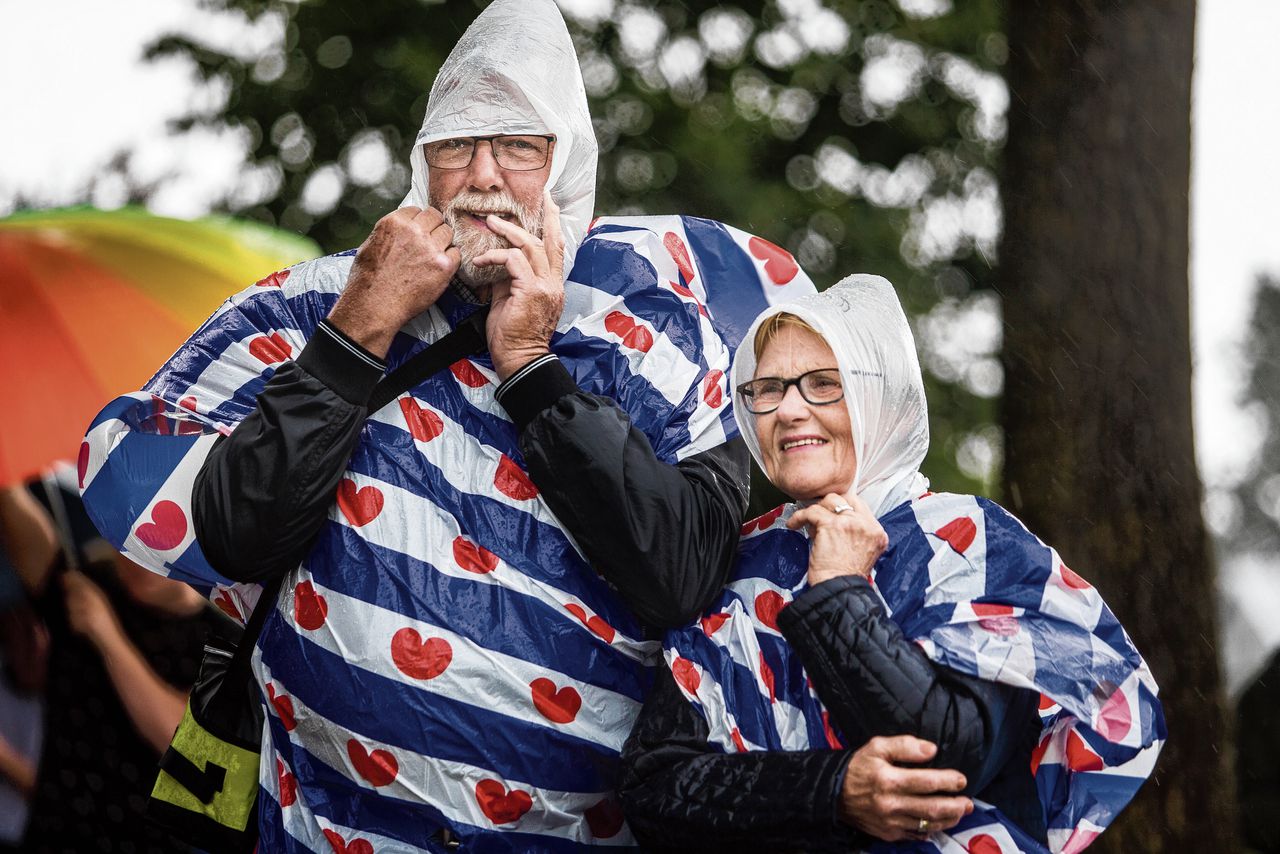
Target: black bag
{"x": 207, "y": 789}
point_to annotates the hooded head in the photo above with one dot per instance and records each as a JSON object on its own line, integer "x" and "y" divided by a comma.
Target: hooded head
{"x": 862, "y": 322}
{"x": 514, "y": 71}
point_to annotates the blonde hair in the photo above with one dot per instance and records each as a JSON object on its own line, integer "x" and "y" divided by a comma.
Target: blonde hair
{"x": 774, "y": 324}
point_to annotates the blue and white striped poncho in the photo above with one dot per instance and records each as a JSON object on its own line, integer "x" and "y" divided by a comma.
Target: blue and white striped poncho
{"x": 444, "y": 655}
{"x": 980, "y": 594}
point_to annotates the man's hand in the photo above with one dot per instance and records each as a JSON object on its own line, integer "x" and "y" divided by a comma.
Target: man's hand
{"x": 888, "y": 801}
{"x": 525, "y": 309}
{"x": 89, "y": 612}
{"x": 844, "y": 543}
{"x": 400, "y": 271}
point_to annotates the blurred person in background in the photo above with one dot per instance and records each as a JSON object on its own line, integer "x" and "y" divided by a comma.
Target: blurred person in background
{"x": 124, "y": 649}
{"x": 1258, "y": 759}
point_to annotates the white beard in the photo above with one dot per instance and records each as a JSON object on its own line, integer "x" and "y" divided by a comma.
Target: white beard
{"x": 473, "y": 242}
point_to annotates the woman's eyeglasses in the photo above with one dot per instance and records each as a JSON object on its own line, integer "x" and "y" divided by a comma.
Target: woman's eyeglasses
{"x": 517, "y": 152}
{"x": 764, "y": 394}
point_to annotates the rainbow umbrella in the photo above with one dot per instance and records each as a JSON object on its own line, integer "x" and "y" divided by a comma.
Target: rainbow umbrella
{"x": 93, "y": 302}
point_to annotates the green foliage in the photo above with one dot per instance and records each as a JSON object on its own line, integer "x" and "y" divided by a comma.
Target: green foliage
{"x": 836, "y": 130}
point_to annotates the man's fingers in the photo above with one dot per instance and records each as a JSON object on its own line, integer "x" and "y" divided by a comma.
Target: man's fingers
{"x": 513, "y": 259}
{"x": 426, "y": 218}
{"x": 531, "y": 247}
{"x": 901, "y": 749}
{"x": 552, "y": 235}
{"x": 925, "y": 781}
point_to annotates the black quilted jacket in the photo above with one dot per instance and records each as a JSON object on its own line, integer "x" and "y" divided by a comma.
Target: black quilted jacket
{"x": 678, "y": 791}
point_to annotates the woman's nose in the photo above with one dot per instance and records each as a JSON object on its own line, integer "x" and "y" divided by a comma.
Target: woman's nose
{"x": 793, "y": 406}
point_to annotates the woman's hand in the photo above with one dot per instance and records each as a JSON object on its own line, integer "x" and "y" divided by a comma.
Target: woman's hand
{"x": 894, "y": 803}
{"x": 847, "y": 538}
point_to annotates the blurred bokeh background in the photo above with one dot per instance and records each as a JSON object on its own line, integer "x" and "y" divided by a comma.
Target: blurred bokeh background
{"x": 862, "y": 135}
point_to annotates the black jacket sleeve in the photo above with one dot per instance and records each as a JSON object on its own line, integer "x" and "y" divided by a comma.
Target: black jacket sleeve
{"x": 680, "y": 792}
{"x": 265, "y": 490}
{"x": 664, "y": 536}
{"x": 876, "y": 682}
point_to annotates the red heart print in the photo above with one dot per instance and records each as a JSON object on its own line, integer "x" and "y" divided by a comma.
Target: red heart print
{"x": 1080, "y": 839}
{"x": 633, "y": 335}
{"x": 604, "y": 818}
{"x": 711, "y": 391}
{"x": 766, "y": 676}
{"x": 984, "y": 843}
{"x": 379, "y": 768}
{"x": 833, "y": 741}
{"x": 275, "y": 280}
{"x": 284, "y": 708}
{"x": 82, "y": 464}
{"x": 499, "y": 805}
{"x": 288, "y": 785}
{"x": 779, "y": 266}
{"x": 559, "y": 707}
{"x": 1047, "y": 702}
{"x": 361, "y": 505}
{"x": 618, "y": 323}
{"x": 1037, "y": 755}
{"x": 592, "y": 226}
{"x": 473, "y": 558}
{"x": 764, "y": 522}
{"x": 417, "y": 658}
{"x": 768, "y": 604}
{"x": 959, "y": 533}
{"x": 596, "y": 623}
{"x": 736, "y": 735}
{"x": 997, "y": 619}
{"x": 1079, "y": 756}
{"x": 309, "y": 608}
{"x": 342, "y": 846}
{"x": 228, "y": 606}
{"x": 712, "y": 623}
{"x": 680, "y": 254}
{"x": 167, "y": 528}
{"x": 512, "y": 481}
{"x": 468, "y": 374}
{"x": 269, "y": 349}
{"x": 1071, "y": 579}
{"x": 188, "y": 403}
{"x": 424, "y": 425}
{"x": 1114, "y": 718}
{"x": 686, "y": 673}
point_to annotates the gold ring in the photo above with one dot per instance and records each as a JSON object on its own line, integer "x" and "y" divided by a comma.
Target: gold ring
{"x": 923, "y": 826}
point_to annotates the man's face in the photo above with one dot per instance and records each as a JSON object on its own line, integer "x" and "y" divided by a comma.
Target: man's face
{"x": 466, "y": 196}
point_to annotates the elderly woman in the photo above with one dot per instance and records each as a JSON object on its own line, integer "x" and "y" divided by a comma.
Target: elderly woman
{"x": 872, "y": 627}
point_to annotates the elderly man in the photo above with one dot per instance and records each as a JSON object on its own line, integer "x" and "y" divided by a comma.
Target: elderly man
{"x": 460, "y": 647}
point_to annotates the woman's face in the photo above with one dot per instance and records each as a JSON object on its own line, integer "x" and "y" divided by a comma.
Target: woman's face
{"x": 808, "y": 450}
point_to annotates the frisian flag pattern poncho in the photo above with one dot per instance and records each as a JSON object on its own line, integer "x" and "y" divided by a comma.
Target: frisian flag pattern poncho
{"x": 444, "y": 655}
{"x": 981, "y": 595}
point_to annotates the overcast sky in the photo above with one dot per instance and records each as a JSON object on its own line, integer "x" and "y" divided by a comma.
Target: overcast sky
{"x": 72, "y": 91}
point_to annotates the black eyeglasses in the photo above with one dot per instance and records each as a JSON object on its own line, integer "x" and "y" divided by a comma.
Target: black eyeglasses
{"x": 764, "y": 394}
{"x": 517, "y": 152}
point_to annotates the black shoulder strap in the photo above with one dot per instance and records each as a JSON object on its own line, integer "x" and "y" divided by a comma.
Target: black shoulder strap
{"x": 466, "y": 339}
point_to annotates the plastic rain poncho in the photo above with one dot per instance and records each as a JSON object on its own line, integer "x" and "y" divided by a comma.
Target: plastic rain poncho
{"x": 515, "y": 71}
{"x": 444, "y": 657}
{"x": 961, "y": 577}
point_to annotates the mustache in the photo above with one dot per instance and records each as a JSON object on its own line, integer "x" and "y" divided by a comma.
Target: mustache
{"x": 499, "y": 202}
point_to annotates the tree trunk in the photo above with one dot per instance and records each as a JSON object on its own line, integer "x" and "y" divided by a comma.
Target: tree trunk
{"x": 1097, "y": 404}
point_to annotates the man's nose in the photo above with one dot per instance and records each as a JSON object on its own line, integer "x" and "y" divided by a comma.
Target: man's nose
{"x": 484, "y": 174}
